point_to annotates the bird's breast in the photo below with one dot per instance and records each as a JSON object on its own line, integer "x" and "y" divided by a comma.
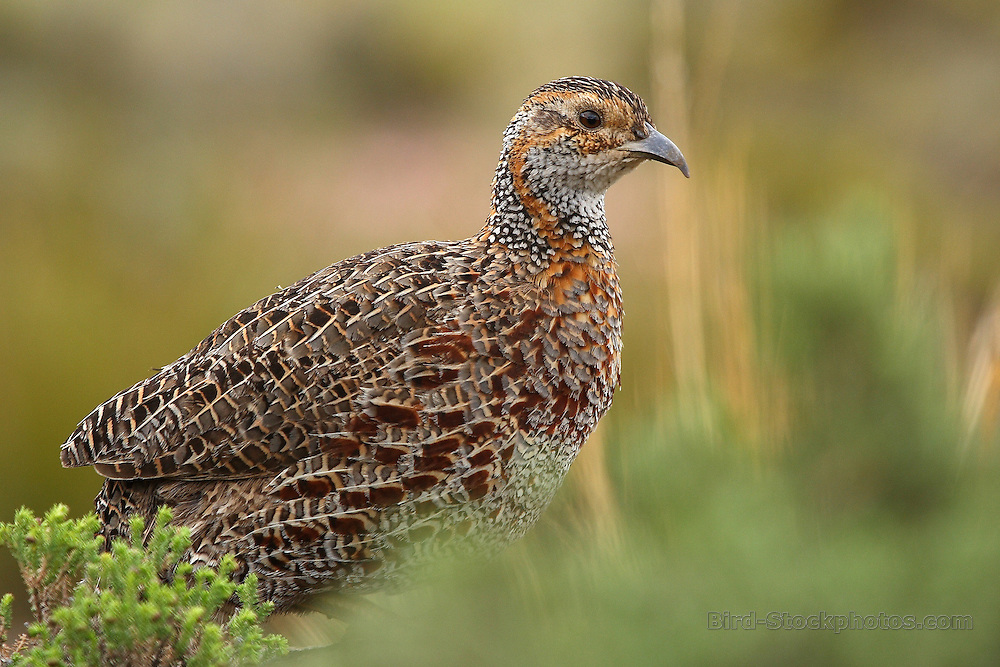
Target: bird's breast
{"x": 564, "y": 346}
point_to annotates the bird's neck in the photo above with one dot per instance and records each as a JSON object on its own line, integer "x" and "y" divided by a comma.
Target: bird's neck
{"x": 538, "y": 221}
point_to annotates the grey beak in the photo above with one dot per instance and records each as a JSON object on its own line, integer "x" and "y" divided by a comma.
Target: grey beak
{"x": 657, "y": 147}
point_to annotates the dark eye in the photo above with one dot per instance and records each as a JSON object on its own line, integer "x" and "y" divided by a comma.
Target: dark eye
{"x": 590, "y": 119}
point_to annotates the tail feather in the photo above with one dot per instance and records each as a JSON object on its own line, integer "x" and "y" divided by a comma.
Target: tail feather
{"x": 120, "y": 500}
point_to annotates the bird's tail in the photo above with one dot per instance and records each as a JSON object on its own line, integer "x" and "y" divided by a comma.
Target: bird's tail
{"x": 119, "y": 501}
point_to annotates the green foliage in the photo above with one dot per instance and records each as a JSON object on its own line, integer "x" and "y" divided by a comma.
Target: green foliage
{"x": 52, "y": 553}
{"x": 865, "y": 354}
{"x": 6, "y": 615}
{"x": 116, "y": 608}
{"x": 866, "y": 512}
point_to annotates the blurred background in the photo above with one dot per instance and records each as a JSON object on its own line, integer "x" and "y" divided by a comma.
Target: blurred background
{"x": 810, "y": 393}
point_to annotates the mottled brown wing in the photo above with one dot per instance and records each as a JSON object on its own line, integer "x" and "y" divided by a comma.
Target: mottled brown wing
{"x": 432, "y": 437}
{"x": 301, "y": 379}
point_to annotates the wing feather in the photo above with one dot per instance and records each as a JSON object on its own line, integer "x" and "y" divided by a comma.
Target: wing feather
{"x": 323, "y": 365}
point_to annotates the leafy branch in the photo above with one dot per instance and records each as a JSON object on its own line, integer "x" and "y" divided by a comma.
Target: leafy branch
{"x": 138, "y": 604}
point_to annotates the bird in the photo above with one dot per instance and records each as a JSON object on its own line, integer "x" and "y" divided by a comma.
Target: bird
{"x": 415, "y": 401}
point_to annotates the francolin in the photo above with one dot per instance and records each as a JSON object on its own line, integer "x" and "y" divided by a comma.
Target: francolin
{"x": 415, "y": 400}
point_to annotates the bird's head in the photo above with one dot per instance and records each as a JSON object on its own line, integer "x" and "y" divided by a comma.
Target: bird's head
{"x": 568, "y": 142}
{"x": 581, "y": 134}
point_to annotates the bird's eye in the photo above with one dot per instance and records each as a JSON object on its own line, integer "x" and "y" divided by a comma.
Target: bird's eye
{"x": 590, "y": 119}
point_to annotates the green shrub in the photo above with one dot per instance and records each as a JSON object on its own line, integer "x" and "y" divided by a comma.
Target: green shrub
{"x": 95, "y": 608}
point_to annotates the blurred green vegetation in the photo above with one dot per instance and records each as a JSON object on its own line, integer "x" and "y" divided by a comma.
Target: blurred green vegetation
{"x": 810, "y": 367}
{"x": 868, "y": 512}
